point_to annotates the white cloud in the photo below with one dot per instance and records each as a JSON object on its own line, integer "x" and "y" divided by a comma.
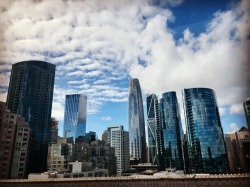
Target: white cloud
{"x": 3, "y": 97}
{"x": 95, "y": 43}
{"x": 57, "y": 111}
{"x": 106, "y": 118}
{"x": 237, "y": 109}
{"x": 234, "y": 127}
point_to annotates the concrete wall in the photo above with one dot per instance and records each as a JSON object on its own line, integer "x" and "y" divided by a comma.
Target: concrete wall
{"x": 131, "y": 182}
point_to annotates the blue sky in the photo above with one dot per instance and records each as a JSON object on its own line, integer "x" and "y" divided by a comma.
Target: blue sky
{"x": 98, "y": 46}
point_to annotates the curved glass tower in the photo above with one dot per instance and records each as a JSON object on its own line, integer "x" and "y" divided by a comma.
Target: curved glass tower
{"x": 75, "y": 115}
{"x": 30, "y": 95}
{"x": 172, "y": 130}
{"x": 205, "y": 140}
{"x": 137, "y": 139}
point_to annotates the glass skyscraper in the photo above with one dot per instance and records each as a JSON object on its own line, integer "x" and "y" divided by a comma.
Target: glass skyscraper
{"x": 247, "y": 111}
{"x": 154, "y": 132}
{"x": 30, "y": 95}
{"x": 151, "y": 124}
{"x": 75, "y": 115}
{"x": 137, "y": 138}
{"x": 172, "y": 130}
{"x": 205, "y": 141}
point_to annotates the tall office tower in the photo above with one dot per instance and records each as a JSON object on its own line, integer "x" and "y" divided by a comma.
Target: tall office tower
{"x": 247, "y": 111}
{"x": 30, "y": 95}
{"x": 14, "y": 144}
{"x": 137, "y": 138}
{"x": 206, "y": 145}
{"x": 172, "y": 130}
{"x": 119, "y": 139}
{"x": 238, "y": 145}
{"x": 154, "y": 132}
{"x": 75, "y": 115}
{"x": 54, "y": 130}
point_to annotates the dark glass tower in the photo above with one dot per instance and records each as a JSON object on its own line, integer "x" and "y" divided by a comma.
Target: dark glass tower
{"x": 205, "y": 140}
{"x": 247, "y": 111}
{"x": 136, "y": 122}
{"x": 75, "y": 115}
{"x": 172, "y": 130}
{"x": 30, "y": 95}
{"x": 154, "y": 132}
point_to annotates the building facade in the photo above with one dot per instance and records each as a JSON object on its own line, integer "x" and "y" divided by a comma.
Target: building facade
{"x": 59, "y": 154}
{"x": 53, "y": 130}
{"x": 137, "y": 138}
{"x": 75, "y": 115}
{"x": 14, "y": 144}
{"x": 119, "y": 139}
{"x": 246, "y": 105}
{"x": 105, "y": 136}
{"x": 30, "y": 95}
{"x": 100, "y": 154}
{"x": 172, "y": 130}
{"x": 154, "y": 132}
{"x": 87, "y": 138}
{"x": 238, "y": 147}
{"x": 205, "y": 139}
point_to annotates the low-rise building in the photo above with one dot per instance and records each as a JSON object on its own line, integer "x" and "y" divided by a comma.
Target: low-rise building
{"x": 59, "y": 154}
{"x": 76, "y": 170}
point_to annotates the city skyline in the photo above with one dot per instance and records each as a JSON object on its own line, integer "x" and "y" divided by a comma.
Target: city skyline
{"x": 97, "y": 47}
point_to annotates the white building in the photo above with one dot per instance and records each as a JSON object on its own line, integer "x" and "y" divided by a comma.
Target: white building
{"x": 119, "y": 139}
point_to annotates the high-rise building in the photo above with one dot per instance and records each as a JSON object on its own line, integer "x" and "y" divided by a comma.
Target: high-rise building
{"x": 75, "y": 115}
{"x": 119, "y": 139}
{"x": 229, "y": 139}
{"x": 14, "y": 144}
{"x": 137, "y": 138}
{"x": 205, "y": 139}
{"x": 247, "y": 111}
{"x": 172, "y": 130}
{"x": 53, "y": 130}
{"x": 154, "y": 132}
{"x": 105, "y": 136}
{"x": 238, "y": 147}
{"x": 30, "y": 95}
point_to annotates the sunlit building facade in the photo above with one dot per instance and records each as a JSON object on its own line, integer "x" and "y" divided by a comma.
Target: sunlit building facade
{"x": 205, "y": 139}
{"x": 75, "y": 115}
{"x": 119, "y": 139}
{"x": 137, "y": 138}
{"x": 30, "y": 95}
{"x": 172, "y": 130}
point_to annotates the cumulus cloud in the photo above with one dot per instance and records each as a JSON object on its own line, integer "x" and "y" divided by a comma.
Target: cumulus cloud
{"x": 234, "y": 127}
{"x": 106, "y": 118}
{"x": 97, "y": 45}
{"x": 237, "y": 109}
